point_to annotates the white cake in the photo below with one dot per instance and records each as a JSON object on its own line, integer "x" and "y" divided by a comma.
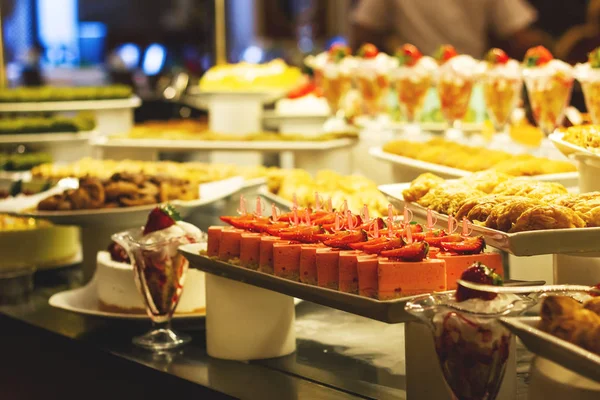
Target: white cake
{"x": 117, "y": 290}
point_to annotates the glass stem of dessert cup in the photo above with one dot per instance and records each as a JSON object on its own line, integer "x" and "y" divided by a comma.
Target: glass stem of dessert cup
{"x": 455, "y": 132}
{"x": 161, "y": 337}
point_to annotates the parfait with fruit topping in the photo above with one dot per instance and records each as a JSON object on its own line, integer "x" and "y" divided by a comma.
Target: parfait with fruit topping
{"x": 316, "y": 63}
{"x": 588, "y": 74}
{"x": 412, "y": 77}
{"x": 501, "y": 90}
{"x": 336, "y": 81}
{"x": 549, "y": 83}
{"x": 457, "y": 75}
{"x": 159, "y": 271}
{"x": 372, "y": 78}
{"x": 471, "y": 344}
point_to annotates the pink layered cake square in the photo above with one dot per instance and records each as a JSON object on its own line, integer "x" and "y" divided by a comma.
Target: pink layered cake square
{"x": 348, "y": 271}
{"x": 286, "y": 260}
{"x": 457, "y": 264}
{"x": 366, "y": 267}
{"x": 308, "y": 263}
{"x": 328, "y": 273}
{"x": 404, "y": 278}
{"x": 250, "y": 250}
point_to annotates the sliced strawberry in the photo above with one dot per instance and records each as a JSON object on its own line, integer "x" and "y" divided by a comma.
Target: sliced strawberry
{"x": 302, "y": 90}
{"x": 368, "y": 226}
{"x": 327, "y": 219}
{"x": 471, "y": 245}
{"x": 537, "y": 56}
{"x": 289, "y": 217}
{"x": 389, "y": 244}
{"x": 368, "y": 50}
{"x": 444, "y": 53}
{"x": 478, "y": 273}
{"x": 415, "y": 227}
{"x": 416, "y": 251}
{"x": 496, "y": 56}
{"x": 344, "y": 239}
{"x": 245, "y": 222}
{"x": 303, "y": 234}
{"x": 436, "y": 240}
{"x": 160, "y": 218}
{"x": 338, "y": 51}
{"x": 408, "y": 55}
{"x": 361, "y": 245}
{"x": 356, "y": 222}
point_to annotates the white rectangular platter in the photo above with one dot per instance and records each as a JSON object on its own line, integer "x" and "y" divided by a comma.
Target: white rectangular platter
{"x": 560, "y": 351}
{"x": 209, "y": 145}
{"x": 417, "y": 167}
{"x": 530, "y": 243}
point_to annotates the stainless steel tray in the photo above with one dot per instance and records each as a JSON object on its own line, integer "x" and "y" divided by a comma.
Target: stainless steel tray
{"x": 560, "y": 351}
{"x": 530, "y": 243}
{"x": 390, "y": 311}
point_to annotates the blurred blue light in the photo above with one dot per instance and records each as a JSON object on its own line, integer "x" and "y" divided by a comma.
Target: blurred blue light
{"x": 253, "y": 54}
{"x": 337, "y": 39}
{"x": 129, "y": 54}
{"x": 154, "y": 59}
{"x": 92, "y": 30}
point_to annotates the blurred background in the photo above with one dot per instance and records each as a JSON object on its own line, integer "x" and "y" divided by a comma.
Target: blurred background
{"x": 145, "y": 43}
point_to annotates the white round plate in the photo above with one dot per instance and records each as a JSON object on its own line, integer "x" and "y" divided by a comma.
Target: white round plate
{"x": 80, "y": 105}
{"x": 84, "y": 300}
{"x": 59, "y": 137}
{"x": 568, "y": 148}
{"x": 23, "y": 205}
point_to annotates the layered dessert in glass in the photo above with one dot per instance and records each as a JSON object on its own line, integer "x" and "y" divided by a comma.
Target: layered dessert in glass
{"x": 549, "y": 84}
{"x": 588, "y": 74}
{"x": 159, "y": 271}
{"x": 412, "y": 76}
{"x": 336, "y": 79}
{"x": 471, "y": 344}
{"x": 457, "y": 75}
{"x": 502, "y": 85}
{"x": 372, "y": 78}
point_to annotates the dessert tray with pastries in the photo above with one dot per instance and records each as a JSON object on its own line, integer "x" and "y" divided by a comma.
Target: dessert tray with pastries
{"x": 453, "y": 160}
{"x": 565, "y": 332}
{"x": 89, "y": 200}
{"x": 577, "y": 139}
{"x": 521, "y": 216}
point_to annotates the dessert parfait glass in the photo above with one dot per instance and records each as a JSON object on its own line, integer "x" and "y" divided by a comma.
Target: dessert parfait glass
{"x": 456, "y": 79}
{"x": 159, "y": 272}
{"x": 471, "y": 344}
{"x": 412, "y": 78}
{"x": 336, "y": 82}
{"x": 588, "y": 74}
{"x": 372, "y": 79}
{"x": 316, "y": 63}
{"x": 549, "y": 84}
{"x": 502, "y": 86}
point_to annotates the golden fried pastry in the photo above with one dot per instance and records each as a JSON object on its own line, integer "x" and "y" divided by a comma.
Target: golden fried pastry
{"x": 586, "y": 136}
{"x": 447, "y": 199}
{"x": 572, "y": 199}
{"x": 479, "y": 208}
{"x": 593, "y": 305}
{"x": 547, "y": 217}
{"x": 95, "y": 190}
{"x": 592, "y": 217}
{"x": 543, "y": 189}
{"x": 421, "y": 186}
{"x": 505, "y": 214}
{"x": 469, "y": 158}
{"x": 566, "y": 319}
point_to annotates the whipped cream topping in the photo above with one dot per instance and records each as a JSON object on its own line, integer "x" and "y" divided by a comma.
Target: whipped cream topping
{"x": 180, "y": 229}
{"x": 510, "y": 70}
{"x": 549, "y": 70}
{"x": 318, "y": 61}
{"x": 462, "y": 66}
{"x": 371, "y": 67}
{"x": 426, "y": 66}
{"x": 305, "y": 105}
{"x": 479, "y": 306}
{"x": 585, "y": 73}
{"x": 345, "y": 67}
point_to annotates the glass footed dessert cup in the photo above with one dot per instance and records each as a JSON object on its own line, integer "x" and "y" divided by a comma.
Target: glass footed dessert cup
{"x": 455, "y": 95}
{"x": 472, "y": 346}
{"x": 412, "y": 92}
{"x": 548, "y": 97}
{"x": 159, "y": 273}
{"x": 591, "y": 94}
{"x": 373, "y": 90}
{"x": 335, "y": 87}
{"x": 501, "y": 95}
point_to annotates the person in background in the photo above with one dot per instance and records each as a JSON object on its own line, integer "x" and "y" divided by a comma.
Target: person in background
{"x": 468, "y": 25}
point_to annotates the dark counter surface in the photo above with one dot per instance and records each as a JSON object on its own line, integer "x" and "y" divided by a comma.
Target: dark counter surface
{"x": 49, "y": 353}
